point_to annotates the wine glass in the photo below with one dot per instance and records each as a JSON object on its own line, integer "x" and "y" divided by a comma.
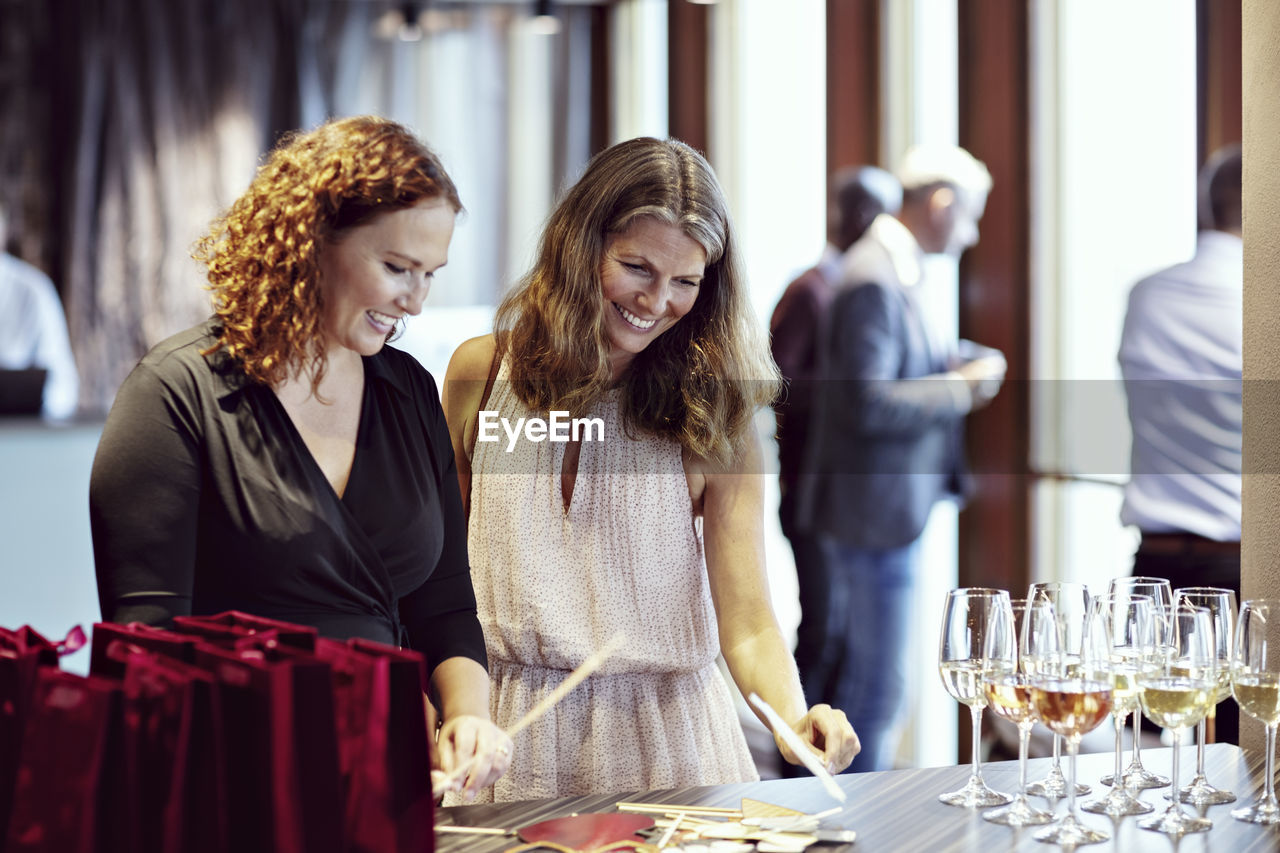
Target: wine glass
{"x": 1255, "y": 682}
{"x": 976, "y": 639}
{"x": 1122, "y": 625}
{"x": 1221, "y": 604}
{"x": 1009, "y": 695}
{"x": 1072, "y": 694}
{"x": 1136, "y": 777}
{"x": 1178, "y": 693}
{"x": 1070, "y": 606}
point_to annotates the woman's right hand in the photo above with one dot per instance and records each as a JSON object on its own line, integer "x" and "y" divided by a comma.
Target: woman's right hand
{"x": 473, "y": 748}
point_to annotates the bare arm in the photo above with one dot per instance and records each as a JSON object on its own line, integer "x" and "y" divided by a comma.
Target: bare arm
{"x": 750, "y": 639}
{"x": 465, "y": 731}
{"x": 464, "y": 382}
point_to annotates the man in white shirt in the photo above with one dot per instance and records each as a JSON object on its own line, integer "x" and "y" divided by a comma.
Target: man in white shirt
{"x": 1180, "y": 356}
{"x": 33, "y": 330}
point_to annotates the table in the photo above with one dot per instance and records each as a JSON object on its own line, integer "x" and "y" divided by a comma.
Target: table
{"x": 898, "y": 810}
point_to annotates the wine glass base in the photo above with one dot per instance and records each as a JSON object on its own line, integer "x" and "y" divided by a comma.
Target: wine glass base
{"x": 1176, "y": 822}
{"x": 1118, "y": 803}
{"x": 1071, "y": 833}
{"x": 1018, "y": 813}
{"x": 1259, "y": 812}
{"x": 974, "y": 795}
{"x": 1137, "y": 779}
{"x": 1051, "y": 791}
{"x": 1201, "y": 793}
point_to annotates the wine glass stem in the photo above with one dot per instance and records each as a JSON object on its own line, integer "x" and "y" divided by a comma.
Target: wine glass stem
{"x": 976, "y": 712}
{"x": 1137, "y": 740}
{"x": 1116, "y": 781}
{"x": 1057, "y": 752}
{"x": 1071, "y": 780}
{"x": 1024, "y": 739}
{"x": 1173, "y": 781}
{"x": 1270, "y": 765}
{"x": 1200, "y": 736}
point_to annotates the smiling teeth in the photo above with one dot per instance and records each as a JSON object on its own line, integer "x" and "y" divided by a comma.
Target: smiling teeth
{"x": 633, "y": 319}
{"x": 384, "y": 319}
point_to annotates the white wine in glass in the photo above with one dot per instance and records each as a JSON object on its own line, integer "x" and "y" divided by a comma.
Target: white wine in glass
{"x": 1137, "y": 777}
{"x": 1122, "y": 625}
{"x": 1255, "y": 682}
{"x": 1221, "y": 604}
{"x": 976, "y": 641}
{"x": 1178, "y": 694}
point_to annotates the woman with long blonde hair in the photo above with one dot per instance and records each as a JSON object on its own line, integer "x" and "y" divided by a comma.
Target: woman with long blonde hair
{"x": 633, "y": 334}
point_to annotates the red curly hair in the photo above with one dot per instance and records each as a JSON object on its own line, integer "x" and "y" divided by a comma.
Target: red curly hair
{"x": 263, "y": 255}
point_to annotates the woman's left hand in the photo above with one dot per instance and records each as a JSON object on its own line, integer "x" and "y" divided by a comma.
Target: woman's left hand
{"x": 828, "y": 731}
{"x": 474, "y": 741}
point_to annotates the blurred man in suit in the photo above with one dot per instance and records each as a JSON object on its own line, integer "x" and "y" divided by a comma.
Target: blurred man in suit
{"x": 857, "y": 195}
{"x": 1181, "y": 358}
{"x": 887, "y": 437}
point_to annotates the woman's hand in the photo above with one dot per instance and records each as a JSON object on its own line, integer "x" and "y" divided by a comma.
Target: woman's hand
{"x": 477, "y": 743}
{"x": 828, "y": 731}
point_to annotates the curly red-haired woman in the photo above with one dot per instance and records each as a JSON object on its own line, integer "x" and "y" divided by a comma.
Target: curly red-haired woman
{"x": 280, "y": 459}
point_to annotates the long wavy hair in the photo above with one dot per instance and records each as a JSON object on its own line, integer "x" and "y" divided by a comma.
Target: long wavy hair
{"x": 702, "y": 380}
{"x": 263, "y": 255}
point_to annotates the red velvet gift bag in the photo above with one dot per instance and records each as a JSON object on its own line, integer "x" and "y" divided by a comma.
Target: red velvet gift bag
{"x": 229, "y": 627}
{"x": 69, "y": 796}
{"x": 180, "y": 647}
{"x": 175, "y": 774}
{"x": 383, "y": 745}
{"x": 408, "y": 755}
{"x": 284, "y": 792}
{"x": 21, "y": 652}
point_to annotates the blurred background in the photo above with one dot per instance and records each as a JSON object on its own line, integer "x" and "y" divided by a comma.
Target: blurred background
{"x": 129, "y": 124}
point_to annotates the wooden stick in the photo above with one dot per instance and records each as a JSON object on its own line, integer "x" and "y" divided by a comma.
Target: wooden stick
{"x": 670, "y": 808}
{"x": 575, "y": 678}
{"x": 671, "y": 830}
{"x": 472, "y": 830}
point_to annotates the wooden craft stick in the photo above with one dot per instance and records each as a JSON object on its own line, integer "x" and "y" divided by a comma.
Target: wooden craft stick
{"x": 575, "y": 678}
{"x": 671, "y": 830}
{"x": 670, "y": 808}
{"x": 471, "y": 830}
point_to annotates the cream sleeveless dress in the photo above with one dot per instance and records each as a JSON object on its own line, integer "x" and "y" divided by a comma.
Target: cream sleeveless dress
{"x": 553, "y": 586}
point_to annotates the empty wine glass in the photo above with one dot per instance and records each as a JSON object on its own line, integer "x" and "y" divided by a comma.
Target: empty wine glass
{"x": 1009, "y": 695}
{"x": 1070, "y": 606}
{"x": 1221, "y": 604}
{"x": 1255, "y": 682}
{"x": 1072, "y": 695}
{"x": 976, "y": 641}
{"x": 1122, "y": 624}
{"x": 1137, "y": 777}
{"x": 1178, "y": 693}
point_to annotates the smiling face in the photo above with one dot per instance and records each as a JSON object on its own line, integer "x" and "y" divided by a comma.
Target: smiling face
{"x": 650, "y": 276}
{"x": 376, "y": 273}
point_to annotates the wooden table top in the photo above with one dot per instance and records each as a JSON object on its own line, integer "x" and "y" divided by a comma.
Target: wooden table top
{"x": 898, "y": 810}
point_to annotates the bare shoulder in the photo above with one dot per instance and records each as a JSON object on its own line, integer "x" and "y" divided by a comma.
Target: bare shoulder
{"x": 723, "y": 479}
{"x": 464, "y": 382}
{"x": 472, "y": 359}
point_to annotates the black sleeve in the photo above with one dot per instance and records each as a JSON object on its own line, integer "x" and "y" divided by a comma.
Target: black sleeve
{"x": 440, "y": 615}
{"x": 144, "y": 497}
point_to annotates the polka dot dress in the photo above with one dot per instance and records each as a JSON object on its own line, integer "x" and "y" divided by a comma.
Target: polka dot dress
{"x": 554, "y": 584}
